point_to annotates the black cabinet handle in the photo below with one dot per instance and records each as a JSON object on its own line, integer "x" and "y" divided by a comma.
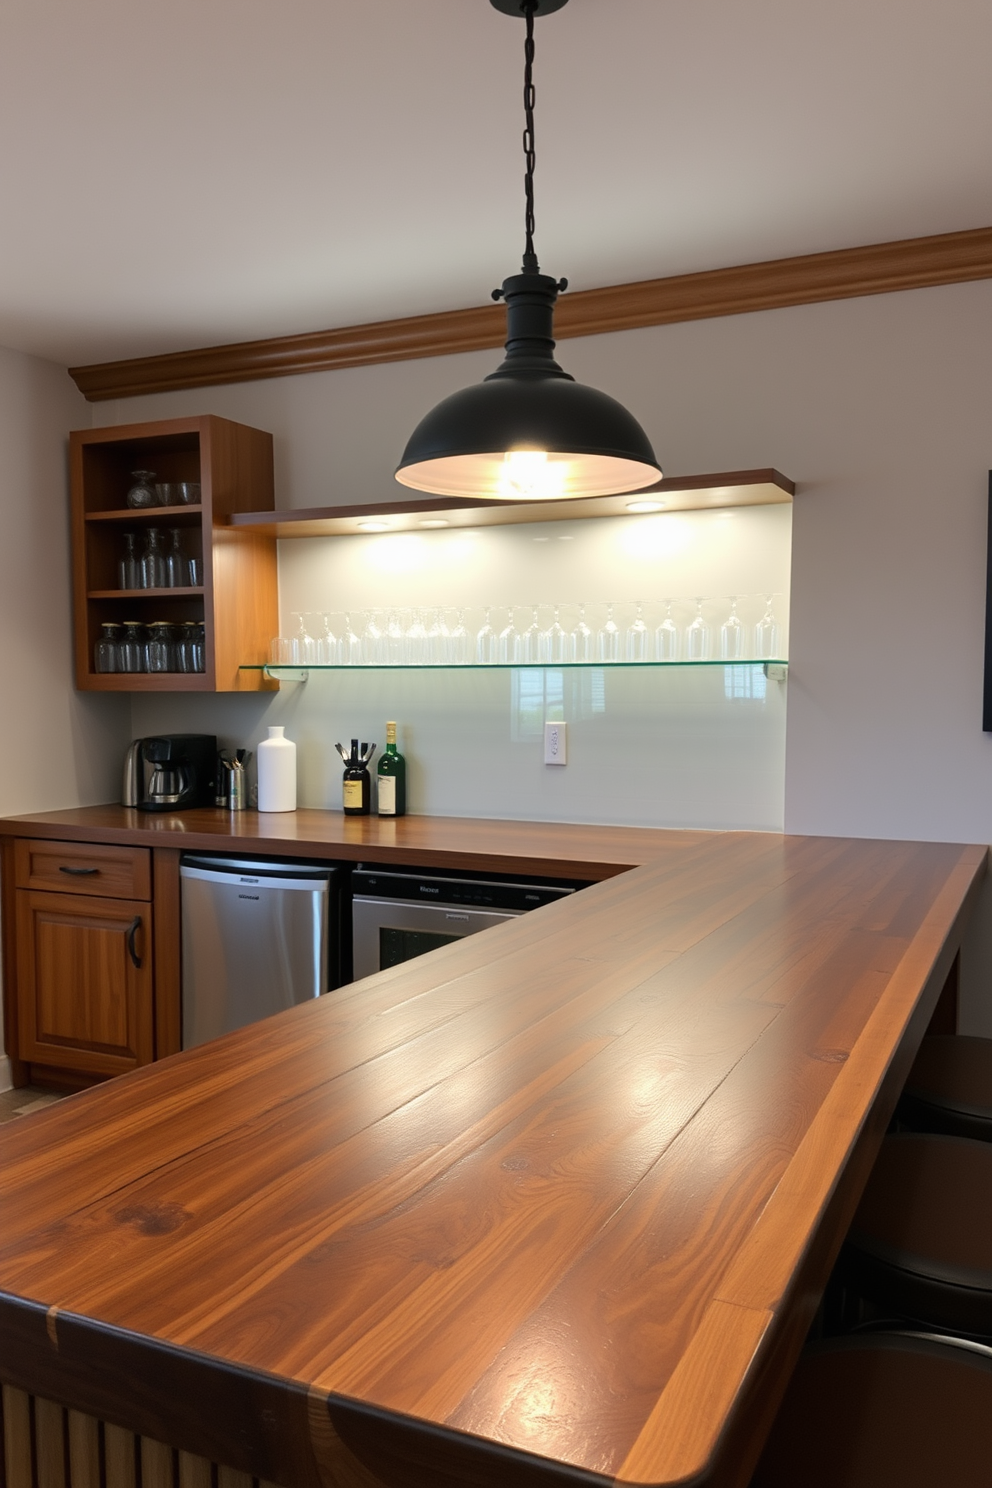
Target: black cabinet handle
{"x": 132, "y": 952}
{"x": 78, "y": 872}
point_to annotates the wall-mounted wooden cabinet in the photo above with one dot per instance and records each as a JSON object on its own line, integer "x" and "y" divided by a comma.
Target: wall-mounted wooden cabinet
{"x": 237, "y": 598}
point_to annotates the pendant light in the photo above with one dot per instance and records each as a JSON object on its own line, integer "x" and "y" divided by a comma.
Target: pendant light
{"x": 529, "y": 432}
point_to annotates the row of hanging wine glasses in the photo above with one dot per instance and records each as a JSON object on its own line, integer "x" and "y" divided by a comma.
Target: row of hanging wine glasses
{"x": 668, "y": 630}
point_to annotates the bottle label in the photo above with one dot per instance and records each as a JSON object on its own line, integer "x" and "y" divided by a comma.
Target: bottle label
{"x": 387, "y": 795}
{"x": 352, "y": 794}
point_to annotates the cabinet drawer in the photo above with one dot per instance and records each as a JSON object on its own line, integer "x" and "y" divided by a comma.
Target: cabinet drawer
{"x": 83, "y": 868}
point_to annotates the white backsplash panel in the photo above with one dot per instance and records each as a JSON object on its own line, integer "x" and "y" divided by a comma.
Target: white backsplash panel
{"x": 678, "y": 746}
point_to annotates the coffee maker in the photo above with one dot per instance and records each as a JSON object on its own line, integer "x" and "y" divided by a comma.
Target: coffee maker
{"x": 170, "y": 772}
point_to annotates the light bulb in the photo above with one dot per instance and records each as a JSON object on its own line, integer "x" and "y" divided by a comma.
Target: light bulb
{"x": 528, "y": 475}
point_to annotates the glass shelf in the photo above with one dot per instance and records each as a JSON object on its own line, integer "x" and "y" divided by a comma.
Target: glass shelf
{"x": 277, "y": 669}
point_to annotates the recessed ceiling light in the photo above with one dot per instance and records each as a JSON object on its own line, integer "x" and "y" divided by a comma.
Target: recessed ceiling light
{"x": 374, "y": 526}
{"x": 645, "y": 506}
{"x": 438, "y": 522}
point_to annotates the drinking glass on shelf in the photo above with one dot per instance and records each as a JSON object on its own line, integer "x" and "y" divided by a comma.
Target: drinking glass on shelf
{"x": 129, "y": 566}
{"x": 555, "y": 643}
{"x": 637, "y": 642}
{"x": 530, "y": 641}
{"x": 303, "y": 647}
{"x": 508, "y": 644}
{"x": 186, "y": 648}
{"x": 697, "y": 637}
{"x": 327, "y": 643}
{"x": 107, "y": 654}
{"x": 732, "y": 634}
{"x": 176, "y": 566}
{"x": 159, "y": 655}
{"x": 583, "y": 646}
{"x": 372, "y": 642}
{"x": 153, "y": 561}
{"x": 351, "y": 646}
{"x": 485, "y": 641}
{"x": 666, "y": 637}
{"x": 199, "y": 646}
{"x": 187, "y": 493}
{"x": 132, "y": 647}
{"x": 142, "y": 493}
{"x": 165, "y": 494}
{"x": 459, "y": 641}
{"x": 415, "y": 645}
{"x": 608, "y": 638}
{"x": 768, "y": 634}
{"x": 394, "y": 641}
{"x": 438, "y": 639}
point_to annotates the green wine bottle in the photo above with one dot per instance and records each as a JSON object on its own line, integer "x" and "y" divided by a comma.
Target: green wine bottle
{"x": 392, "y": 777}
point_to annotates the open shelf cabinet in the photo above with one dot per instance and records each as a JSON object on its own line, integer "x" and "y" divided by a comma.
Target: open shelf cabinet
{"x": 237, "y": 601}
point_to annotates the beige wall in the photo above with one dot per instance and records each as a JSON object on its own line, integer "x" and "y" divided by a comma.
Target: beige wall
{"x": 57, "y": 747}
{"x": 881, "y": 408}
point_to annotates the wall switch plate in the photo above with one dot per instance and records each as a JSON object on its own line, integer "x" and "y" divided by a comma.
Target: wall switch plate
{"x": 556, "y": 744}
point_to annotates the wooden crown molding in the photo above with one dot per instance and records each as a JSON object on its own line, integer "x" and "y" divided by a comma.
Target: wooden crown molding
{"x": 878, "y": 268}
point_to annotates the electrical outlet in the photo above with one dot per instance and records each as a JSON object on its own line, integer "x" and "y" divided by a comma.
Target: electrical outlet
{"x": 556, "y": 744}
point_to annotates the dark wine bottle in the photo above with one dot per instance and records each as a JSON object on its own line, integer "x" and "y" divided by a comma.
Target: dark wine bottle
{"x": 392, "y": 777}
{"x": 357, "y": 782}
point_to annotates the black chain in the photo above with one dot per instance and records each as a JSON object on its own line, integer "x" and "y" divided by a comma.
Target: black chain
{"x": 530, "y": 154}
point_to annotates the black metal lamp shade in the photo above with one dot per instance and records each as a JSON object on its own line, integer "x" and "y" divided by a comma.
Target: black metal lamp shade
{"x": 529, "y": 432}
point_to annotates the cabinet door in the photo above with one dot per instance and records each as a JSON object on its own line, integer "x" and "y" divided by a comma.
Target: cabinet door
{"x": 84, "y": 982}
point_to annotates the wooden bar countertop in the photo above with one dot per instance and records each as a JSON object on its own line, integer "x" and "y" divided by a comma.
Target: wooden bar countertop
{"x": 553, "y": 1204}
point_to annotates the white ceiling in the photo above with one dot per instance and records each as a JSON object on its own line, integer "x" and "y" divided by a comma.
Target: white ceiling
{"x": 176, "y": 173}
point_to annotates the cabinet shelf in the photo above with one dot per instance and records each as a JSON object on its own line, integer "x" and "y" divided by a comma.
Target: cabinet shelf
{"x": 148, "y": 514}
{"x": 179, "y": 592}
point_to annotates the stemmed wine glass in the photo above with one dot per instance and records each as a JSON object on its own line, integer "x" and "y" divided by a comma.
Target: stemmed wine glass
{"x": 555, "y": 643}
{"x": 583, "y": 640}
{"x": 697, "y": 637}
{"x": 530, "y": 641}
{"x": 415, "y": 645}
{"x": 608, "y": 638}
{"x": 666, "y": 637}
{"x": 732, "y": 634}
{"x": 303, "y": 647}
{"x": 459, "y": 643}
{"x": 437, "y": 639}
{"x": 767, "y": 634}
{"x": 508, "y": 644}
{"x": 485, "y": 642}
{"x": 638, "y": 638}
{"x": 371, "y": 640}
{"x": 351, "y": 646}
{"x": 327, "y": 643}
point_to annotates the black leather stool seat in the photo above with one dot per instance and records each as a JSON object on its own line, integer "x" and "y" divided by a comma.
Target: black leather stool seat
{"x": 920, "y": 1244}
{"x": 950, "y": 1087}
{"x": 882, "y": 1410}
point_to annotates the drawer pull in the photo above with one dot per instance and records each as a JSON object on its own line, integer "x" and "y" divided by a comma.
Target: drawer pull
{"x": 78, "y": 872}
{"x": 132, "y": 932}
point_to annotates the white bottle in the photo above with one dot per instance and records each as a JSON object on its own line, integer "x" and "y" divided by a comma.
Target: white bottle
{"x": 277, "y": 772}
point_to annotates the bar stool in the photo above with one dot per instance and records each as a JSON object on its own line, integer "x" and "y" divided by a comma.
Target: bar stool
{"x": 920, "y": 1244}
{"x": 950, "y": 1088}
{"x": 883, "y": 1410}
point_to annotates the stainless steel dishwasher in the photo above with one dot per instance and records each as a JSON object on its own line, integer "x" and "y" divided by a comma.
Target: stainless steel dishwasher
{"x": 258, "y": 936}
{"x": 396, "y": 915}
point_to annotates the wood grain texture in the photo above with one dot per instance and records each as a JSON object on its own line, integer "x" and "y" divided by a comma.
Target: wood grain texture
{"x": 82, "y": 1002}
{"x": 72, "y": 868}
{"x": 875, "y": 268}
{"x": 549, "y": 1205}
{"x": 238, "y": 600}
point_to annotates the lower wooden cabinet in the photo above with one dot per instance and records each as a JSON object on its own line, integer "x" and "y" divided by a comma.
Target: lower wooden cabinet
{"x": 84, "y": 982}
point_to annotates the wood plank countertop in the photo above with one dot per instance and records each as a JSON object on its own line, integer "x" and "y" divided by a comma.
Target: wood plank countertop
{"x": 553, "y": 1204}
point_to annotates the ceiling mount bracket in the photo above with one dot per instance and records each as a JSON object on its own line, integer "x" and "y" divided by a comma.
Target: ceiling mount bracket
{"x": 516, "y": 8}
